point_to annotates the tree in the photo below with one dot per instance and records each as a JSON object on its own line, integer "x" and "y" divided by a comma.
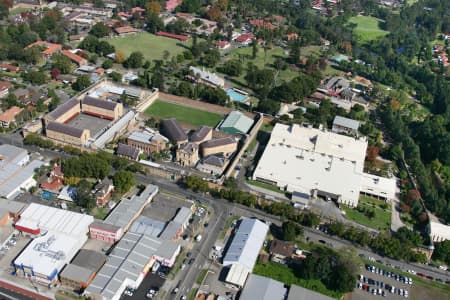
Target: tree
{"x": 40, "y": 106}
{"x": 100, "y": 30}
{"x": 62, "y": 63}
{"x": 442, "y": 252}
{"x": 123, "y": 181}
{"x": 135, "y": 60}
{"x": 119, "y": 56}
{"x": 372, "y": 153}
{"x": 107, "y": 64}
{"x": 211, "y": 58}
{"x": 214, "y": 14}
{"x": 154, "y": 23}
{"x": 83, "y": 195}
{"x": 35, "y": 77}
{"x": 55, "y": 73}
{"x": 82, "y": 83}
{"x": 290, "y": 230}
{"x": 153, "y": 7}
{"x": 190, "y": 6}
{"x": 232, "y": 67}
{"x": 4, "y": 10}
{"x": 254, "y": 48}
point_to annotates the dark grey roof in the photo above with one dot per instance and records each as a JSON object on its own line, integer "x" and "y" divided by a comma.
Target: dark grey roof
{"x": 88, "y": 100}
{"x": 172, "y": 130}
{"x": 89, "y": 259}
{"x": 63, "y": 108}
{"x": 76, "y": 273}
{"x": 218, "y": 142}
{"x": 214, "y": 160}
{"x": 126, "y": 150}
{"x": 189, "y": 148}
{"x": 103, "y": 186}
{"x": 65, "y": 129}
{"x": 200, "y": 133}
{"x": 263, "y": 288}
{"x": 346, "y": 122}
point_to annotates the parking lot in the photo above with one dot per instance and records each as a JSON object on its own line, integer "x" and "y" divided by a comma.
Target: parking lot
{"x": 164, "y": 207}
{"x": 386, "y": 285}
{"x": 151, "y": 281}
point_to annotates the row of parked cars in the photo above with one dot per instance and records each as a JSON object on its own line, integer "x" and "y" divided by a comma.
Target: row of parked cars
{"x": 379, "y": 288}
{"x": 389, "y": 274}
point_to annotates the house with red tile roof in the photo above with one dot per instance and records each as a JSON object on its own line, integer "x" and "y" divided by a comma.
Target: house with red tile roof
{"x": 262, "y": 23}
{"x": 172, "y": 4}
{"x": 4, "y": 88}
{"x": 137, "y": 9}
{"x": 54, "y": 182}
{"x": 125, "y": 30}
{"x": 9, "y": 68}
{"x": 223, "y": 45}
{"x": 245, "y": 38}
{"x": 48, "y": 48}
{"x": 291, "y": 36}
{"x": 80, "y": 61}
{"x": 9, "y": 116}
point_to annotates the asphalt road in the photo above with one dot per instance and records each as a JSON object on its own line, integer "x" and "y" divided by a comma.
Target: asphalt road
{"x": 312, "y": 233}
{"x": 6, "y": 294}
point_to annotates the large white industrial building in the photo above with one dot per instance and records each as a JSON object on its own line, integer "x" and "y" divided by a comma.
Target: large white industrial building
{"x": 16, "y": 170}
{"x": 59, "y": 234}
{"x": 315, "y": 162}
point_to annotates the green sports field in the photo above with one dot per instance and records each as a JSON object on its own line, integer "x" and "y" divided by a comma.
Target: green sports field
{"x": 367, "y": 28}
{"x": 187, "y": 115}
{"x": 151, "y": 46}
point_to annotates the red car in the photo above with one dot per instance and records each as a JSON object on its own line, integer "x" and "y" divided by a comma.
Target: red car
{"x": 420, "y": 274}
{"x": 430, "y": 277}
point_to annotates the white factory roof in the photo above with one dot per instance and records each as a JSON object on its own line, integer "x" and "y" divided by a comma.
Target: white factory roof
{"x": 183, "y": 215}
{"x": 54, "y": 219}
{"x": 48, "y": 254}
{"x": 12, "y": 154}
{"x": 438, "y": 232}
{"x": 263, "y": 288}
{"x": 246, "y": 243}
{"x": 237, "y": 274}
{"x": 127, "y": 210}
{"x": 13, "y": 176}
{"x": 303, "y": 159}
{"x": 379, "y": 186}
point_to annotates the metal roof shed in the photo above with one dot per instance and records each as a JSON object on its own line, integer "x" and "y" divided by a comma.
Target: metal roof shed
{"x": 236, "y": 123}
{"x": 263, "y": 288}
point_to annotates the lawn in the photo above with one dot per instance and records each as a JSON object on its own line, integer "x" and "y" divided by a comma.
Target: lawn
{"x": 286, "y": 275}
{"x": 266, "y": 186}
{"x": 151, "y": 46}
{"x": 183, "y": 114}
{"x": 382, "y": 218}
{"x": 262, "y": 60}
{"x": 367, "y": 28}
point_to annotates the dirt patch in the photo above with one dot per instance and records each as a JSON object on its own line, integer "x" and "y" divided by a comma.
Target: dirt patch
{"x": 421, "y": 291}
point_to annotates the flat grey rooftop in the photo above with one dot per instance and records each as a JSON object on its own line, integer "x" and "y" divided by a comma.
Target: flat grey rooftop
{"x": 94, "y": 124}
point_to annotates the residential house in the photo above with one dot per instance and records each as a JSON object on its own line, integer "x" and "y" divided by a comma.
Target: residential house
{"x": 349, "y": 126}
{"x": 291, "y": 36}
{"x": 187, "y": 154}
{"x": 77, "y": 37}
{"x": 54, "y": 181}
{"x": 4, "y": 88}
{"x": 281, "y": 251}
{"x": 130, "y": 152}
{"x": 245, "y": 39}
{"x": 9, "y": 68}
{"x": 48, "y": 49}
{"x": 262, "y": 23}
{"x": 9, "y": 116}
{"x": 125, "y": 30}
{"x": 206, "y": 77}
{"x": 222, "y": 45}
{"x": 103, "y": 191}
{"x": 80, "y": 61}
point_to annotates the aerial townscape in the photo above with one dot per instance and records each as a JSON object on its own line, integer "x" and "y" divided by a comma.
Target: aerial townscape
{"x": 224, "y": 149}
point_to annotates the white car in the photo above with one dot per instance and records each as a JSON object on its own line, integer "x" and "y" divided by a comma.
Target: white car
{"x": 128, "y": 293}
{"x": 12, "y": 242}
